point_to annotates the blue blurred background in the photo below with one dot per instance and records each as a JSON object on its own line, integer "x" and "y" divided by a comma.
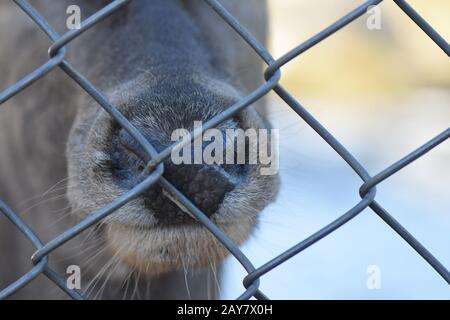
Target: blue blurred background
{"x": 382, "y": 93}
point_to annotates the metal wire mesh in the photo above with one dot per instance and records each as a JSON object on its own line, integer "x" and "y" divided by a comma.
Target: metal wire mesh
{"x": 155, "y": 169}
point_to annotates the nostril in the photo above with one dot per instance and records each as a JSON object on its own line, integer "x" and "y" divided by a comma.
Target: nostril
{"x": 126, "y": 141}
{"x": 129, "y": 143}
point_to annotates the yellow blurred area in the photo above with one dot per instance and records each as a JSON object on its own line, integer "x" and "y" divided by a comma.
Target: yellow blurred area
{"x": 356, "y": 61}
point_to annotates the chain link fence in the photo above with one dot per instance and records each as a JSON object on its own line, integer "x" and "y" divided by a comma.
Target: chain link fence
{"x": 155, "y": 169}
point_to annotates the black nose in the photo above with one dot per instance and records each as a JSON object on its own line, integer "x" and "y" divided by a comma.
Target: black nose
{"x": 205, "y": 185}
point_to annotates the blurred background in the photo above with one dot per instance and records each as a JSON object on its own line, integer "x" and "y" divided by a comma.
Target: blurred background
{"x": 382, "y": 93}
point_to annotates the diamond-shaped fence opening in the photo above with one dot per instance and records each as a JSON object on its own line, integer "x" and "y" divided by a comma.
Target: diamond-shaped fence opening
{"x": 154, "y": 170}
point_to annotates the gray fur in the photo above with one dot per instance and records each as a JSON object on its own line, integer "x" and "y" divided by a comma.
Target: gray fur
{"x": 163, "y": 63}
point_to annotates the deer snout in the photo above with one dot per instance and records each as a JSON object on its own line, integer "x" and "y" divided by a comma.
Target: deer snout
{"x": 206, "y": 185}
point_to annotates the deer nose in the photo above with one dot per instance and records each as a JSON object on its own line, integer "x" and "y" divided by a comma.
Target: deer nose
{"x": 206, "y": 185}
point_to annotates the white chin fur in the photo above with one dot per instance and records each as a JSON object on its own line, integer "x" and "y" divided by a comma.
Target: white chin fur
{"x": 158, "y": 250}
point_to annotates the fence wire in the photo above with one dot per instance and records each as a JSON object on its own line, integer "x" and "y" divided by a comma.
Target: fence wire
{"x": 155, "y": 169}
